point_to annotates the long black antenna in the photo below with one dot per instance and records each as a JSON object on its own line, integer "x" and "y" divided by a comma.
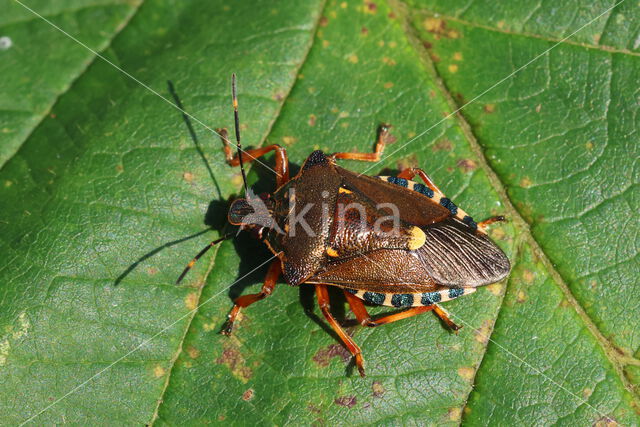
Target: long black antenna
{"x": 237, "y": 124}
{"x": 197, "y": 257}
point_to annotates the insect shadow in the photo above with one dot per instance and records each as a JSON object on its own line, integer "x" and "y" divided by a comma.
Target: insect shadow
{"x": 215, "y": 216}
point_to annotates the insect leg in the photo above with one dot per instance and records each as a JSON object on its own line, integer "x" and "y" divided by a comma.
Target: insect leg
{"x": 282, "y": 161}
{"x": 444, "y": 316}
{"x": 270, "y": 280}
{"x": 323, "y": 302}
{"x": 383, "y": 133}
{"x": 358, "y": 308}
{"x": 409, "y": 173}
{"x": 483, "y": 224}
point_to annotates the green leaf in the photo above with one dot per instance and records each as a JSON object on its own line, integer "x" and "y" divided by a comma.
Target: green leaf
{"x": 104, "y": 202}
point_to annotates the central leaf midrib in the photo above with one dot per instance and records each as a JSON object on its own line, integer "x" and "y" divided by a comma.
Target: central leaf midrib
{"x": 616, "y": 360}
{"x": 173, "y": 360}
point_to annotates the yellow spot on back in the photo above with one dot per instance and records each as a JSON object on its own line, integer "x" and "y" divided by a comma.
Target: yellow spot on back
{"x": 191, "y": 301}
{"x": 332, "y": 252}
{"x": 466, "y": 372}
{"x": 417, "y": 238}
{"x": 159, "y": 371}
{"x": 453, "y": 68}
{"x": 344, "y": 190}
{"x": 457, "y": 56}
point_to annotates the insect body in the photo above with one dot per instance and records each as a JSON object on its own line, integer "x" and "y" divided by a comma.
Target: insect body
{"x": 385, "y": 240}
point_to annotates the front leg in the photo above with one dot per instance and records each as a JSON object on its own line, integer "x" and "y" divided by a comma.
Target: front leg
{"x": 383, "y": 135}
{"x": 282, "y": 161}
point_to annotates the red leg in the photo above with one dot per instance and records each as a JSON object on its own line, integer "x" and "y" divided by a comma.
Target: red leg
{"x": 383, "y": 132}
{"x": 323, "y": 302}
{"x": 282, "y": 161}
{"x": 270, "y": 280}
{"x": 409, "y": 173}
{"x": 484, "y": 224}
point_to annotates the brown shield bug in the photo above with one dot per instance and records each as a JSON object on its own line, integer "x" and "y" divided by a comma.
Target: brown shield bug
{"x": 384, "y": 240}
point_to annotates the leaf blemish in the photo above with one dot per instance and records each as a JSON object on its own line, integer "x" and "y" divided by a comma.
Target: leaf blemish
{"x": 5, "y": 43}
{"x": 489, "y": 108}
{"x": 232, "y": 358}
{"x": 193, "y": 352}
{"x": 191, "y": 301}
{"x": 248, "y": 395}
{"x": 324, "y": 355}
{"x": 346, "y": 401}
{"x": 466, "y": 372}
{"x": 467, "y": 165}
{"x": 378, "y": 389}
{"x": 159, "y": 371}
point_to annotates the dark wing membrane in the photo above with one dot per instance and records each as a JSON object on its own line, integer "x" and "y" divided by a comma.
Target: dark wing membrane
{"x": 456, "y": 256}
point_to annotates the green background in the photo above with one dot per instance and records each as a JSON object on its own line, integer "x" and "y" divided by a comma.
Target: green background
{"x": 105, "y": 195}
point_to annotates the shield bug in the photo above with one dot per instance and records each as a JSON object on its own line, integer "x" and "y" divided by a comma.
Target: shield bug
{"x": 383, "y": 240}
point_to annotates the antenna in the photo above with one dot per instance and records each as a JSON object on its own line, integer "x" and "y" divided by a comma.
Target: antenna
{"x": 197, "y": 257}
{"x": 237, "y": 125}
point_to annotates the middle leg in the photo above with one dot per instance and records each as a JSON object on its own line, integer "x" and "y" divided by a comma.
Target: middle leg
{"x": 270, "y": 280}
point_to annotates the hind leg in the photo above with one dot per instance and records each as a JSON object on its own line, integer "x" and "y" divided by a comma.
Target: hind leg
{"x": 383, "y": 134}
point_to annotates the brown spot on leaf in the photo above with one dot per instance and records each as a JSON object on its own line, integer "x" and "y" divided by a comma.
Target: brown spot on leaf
{"x": 288, "y": 140}
{"x": 427, "y": 45}
{"x": 278, "y": 96}
{"x": 605, "y": 422}
{"x": 455, "y": 414}
{"x": 323, "y": 21}
{"x": 442, "y": 145}
{"x": 378, "y": 389}
{"x": 495, "y": 288}
{"x": 391, "y": 15}
{"x": 371, "y": 7}
{"x": 538, "y": 108}
{"x": 466, "y": 372}
{"x": 324, "y": 355}
{"x": 152, "y": 271}
{"x": 388, "y": 85}
{"x": 525, "y": 182}
{"x": 193, "y": 352}
{"x": 467, "y": 165}
{"x": 489, "y": 108}
{"x": 457, "y": 56}
{"x": 528, "y": 276}
{"x": 159, "y": 371}
{"x": 313, "y": 408}
{"x": 364, "y": 31}
{"x": 347, "y": 401}
{"x": 521, "y": 297}
{"x": 191, "y": 301}
{"x": 232, "y": 359}
{"x": 248, "y": 395}
{"x": 187, "y": 176}
{"x": 119, "y": 168}
{"x": 312, "y": 119}
{"x": 435, "y": 58}
{"x": 483, "y": 332}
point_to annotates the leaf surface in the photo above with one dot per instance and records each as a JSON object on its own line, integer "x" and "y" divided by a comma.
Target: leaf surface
{"x": 103, "y": 204}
